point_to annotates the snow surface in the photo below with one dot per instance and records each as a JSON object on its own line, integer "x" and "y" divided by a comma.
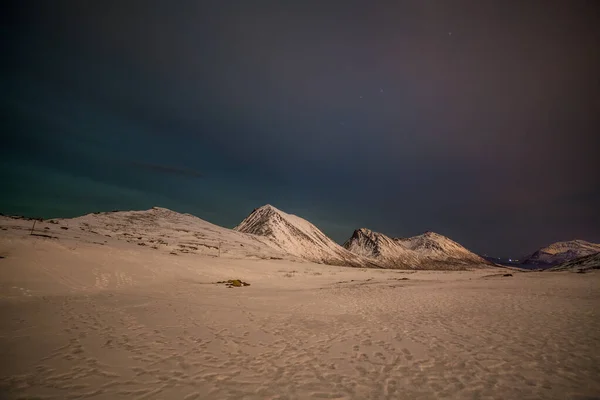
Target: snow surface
{"x": 86, "y": 316}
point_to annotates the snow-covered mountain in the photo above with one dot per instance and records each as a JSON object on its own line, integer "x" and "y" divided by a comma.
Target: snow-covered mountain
{"x": 561, "y": 252}
{"x": 585, "y": 263}
{"x": 427, "y": 251}
{"x": 267, "y": 233}
{"x": 298, "y": 237}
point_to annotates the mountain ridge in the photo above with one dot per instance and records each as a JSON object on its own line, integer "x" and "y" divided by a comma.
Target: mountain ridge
{"x": 297, "y": 236}
{"x": 425, "y": 251}
{"x": 269, "y": 233}
{"x": 560, "y": 252}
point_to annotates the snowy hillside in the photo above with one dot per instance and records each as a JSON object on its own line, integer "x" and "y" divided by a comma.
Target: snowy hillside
{"x": 427, "y": 251}
{"x": 561, "y": 252}
{"x": 298, "y": 237}
{"x": 585, "y": 263}
{"x": 176, "y": 233}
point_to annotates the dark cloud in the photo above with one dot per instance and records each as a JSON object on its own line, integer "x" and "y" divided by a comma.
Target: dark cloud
{"x": 488, "y": 135}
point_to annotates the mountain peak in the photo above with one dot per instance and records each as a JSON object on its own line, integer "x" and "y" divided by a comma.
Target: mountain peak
{"x": 363, "y": 232}
{"x": 295, "y": 236}
{"x": 431, "y": 234}
{"x": 427, "y": 250}
{"x": 267, "y": 207}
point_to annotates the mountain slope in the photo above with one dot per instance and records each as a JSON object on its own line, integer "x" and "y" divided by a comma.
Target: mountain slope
{"x": 298, "y": 237}
{"x": 378, "y": 246}
{"x": 166, "y": 230}
{"x": 561, "y": 252}
{"x": 427, "y": 251}
{"x": 591, "y": 261}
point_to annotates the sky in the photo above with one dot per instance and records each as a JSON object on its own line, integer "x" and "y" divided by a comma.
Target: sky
{"x": 479, "y": 120}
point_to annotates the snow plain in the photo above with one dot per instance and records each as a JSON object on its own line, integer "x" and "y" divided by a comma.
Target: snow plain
{"x": 88, "y": 312}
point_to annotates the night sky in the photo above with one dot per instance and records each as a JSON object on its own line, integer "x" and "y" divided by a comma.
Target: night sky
{"x": 479, "y": 120}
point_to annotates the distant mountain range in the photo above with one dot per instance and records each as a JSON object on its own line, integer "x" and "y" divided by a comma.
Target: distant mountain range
{"x": 427, "y": 251}
{"x": 561, "y": 252}
{"x": 269, "y": 233}
{"x": 297, "y": 237}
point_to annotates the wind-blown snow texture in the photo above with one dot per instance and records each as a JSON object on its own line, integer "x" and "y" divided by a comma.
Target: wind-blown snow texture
{"x": 427, "y": 251}
{"x": 561, "y": 252}
{"x": 296, "y": 236}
